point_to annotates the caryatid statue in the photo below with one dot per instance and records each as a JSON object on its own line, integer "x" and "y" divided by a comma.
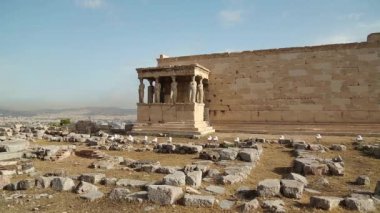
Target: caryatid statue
{"x": 192, "y": 90}
{"x": 150, "y": 91}
{"x": 173, "y": 90}
{"x": 157, "y": 91}
{"x": 200, "y": 91}
{"x": 141, "y": 91}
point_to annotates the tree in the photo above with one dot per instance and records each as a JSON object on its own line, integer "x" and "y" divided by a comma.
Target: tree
{"x": 65, "y": 122}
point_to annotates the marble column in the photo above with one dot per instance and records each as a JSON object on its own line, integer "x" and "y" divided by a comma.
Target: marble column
{"x": 173, "y": 91}
{"x": 141, "y": 90}
{"x": 192, "y": 90}
{"x": 157, "y": 91}
{"x": 200, "y": 93}
{"x": 150, "y": 91}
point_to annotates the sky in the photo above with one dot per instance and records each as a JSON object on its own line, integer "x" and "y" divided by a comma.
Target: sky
{"x": 77, "y": 53}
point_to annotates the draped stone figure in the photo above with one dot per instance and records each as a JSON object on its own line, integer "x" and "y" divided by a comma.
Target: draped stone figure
{"x": 173, "y": 91}
{"x": 200, "y": 92}
{"x": 150, "y": 91}
{"x": 157, "y": 91}
{"x": 192, "y": 90}
{"x": 141, "y": 91}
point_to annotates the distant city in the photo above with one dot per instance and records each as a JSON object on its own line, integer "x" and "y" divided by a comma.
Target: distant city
{"x": 46, "y": 116}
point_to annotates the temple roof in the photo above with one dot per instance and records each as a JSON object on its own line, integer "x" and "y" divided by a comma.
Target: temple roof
{"x": 177, "y": 70}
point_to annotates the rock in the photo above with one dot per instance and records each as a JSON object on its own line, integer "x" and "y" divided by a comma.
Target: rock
{"x": 274, "y": 206}
{"x": 109, "y": 181}
{"x": 298, "y": 177}
{"x": 292, "y": 188}
{"x": 228, "y": 154}
{"x": 213, "y": 173}
{"x": 226, "y": 204}
{"x": 131, "y": 183}
{"x": 210, "y": 155}
{"x": 325, "y": 202}
{"x": 245, "y": 192}
{"x": 322, "y": 182}
{"x": 139, "y": 196}
{"x": 377, "y": 189}
{"x": 14, "y": 145}
{"x": 194, "y": 179}
{"x": 336, "y": 168}
{"x": 4, "y": 180}
{"x": 250, "y": 206}
{"x": 43, "y": 182}
{"x": 25, "y": 184}
{"x": 119, "y": 194}
{"x": 215, "y": 189}
{"x": 363, "y": 180}
{"x": 360, "y": 204}
{"x": 85, "y": 187}
{"x": 62, "y": 184}
{"x": 312, "y": 191}
{"x": 149, "y": 168}
{"x": 93, "y": 195}
{"x": 176, "y": 179}
{"x": 249, "y": 155}
{"x": 338, "y": 147}
{"x": 269, "y": 187}
{"x": 338, "y": 159}
{"x": 93, "y": 178}
{"x": 164, "y": 194}
{"x": 199, "y": 200}
{"x": 232, "y": 179}
{"x": 191, "y": 190}
{"x": 167, "y": 169}
{"x": 309, "y": 166}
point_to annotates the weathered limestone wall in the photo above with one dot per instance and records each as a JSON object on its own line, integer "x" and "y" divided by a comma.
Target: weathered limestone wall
{"x": 331, "y": 83}
{"x": 162, "y": 113}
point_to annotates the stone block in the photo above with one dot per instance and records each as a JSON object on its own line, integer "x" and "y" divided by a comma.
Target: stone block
{"x": 325, "y": 202}
{"x": 199, "y": 200}
{"x": 292, "y": 188}
{"x": 164, "y": 194}
{"x": 194, "y": 179}
{"x": 178, "y": 178}
{"x": 62, "y": 184}
{"x": 269, "y": 187}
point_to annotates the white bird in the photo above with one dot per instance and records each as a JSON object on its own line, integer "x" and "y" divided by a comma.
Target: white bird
{"x": 155, "y": 140}
{"x": 282, "y": 137}
{"x": 318, "y": 137}
{"x": 146, "y": 138}
{"x": 170, "y": 140}
{"x": 237, "y": 140}
{"x": 209, "y": 138}
{"x": 215, "y": 139}
{"x": 359, "y": 138}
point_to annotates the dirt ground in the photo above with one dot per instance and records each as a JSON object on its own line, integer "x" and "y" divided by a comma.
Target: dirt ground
{"x": 275, "y": 162}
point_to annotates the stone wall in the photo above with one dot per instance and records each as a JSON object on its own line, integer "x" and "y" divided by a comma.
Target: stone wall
{"x": 319, "y": 84}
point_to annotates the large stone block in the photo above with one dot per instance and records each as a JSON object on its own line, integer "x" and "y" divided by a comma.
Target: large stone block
{"x": 325, "y": 202}
{"x": 164, "y": 194}
{"x": 199, "y": 200}
{"x": 62, "y": 184}
{"x": 269, "y": 187}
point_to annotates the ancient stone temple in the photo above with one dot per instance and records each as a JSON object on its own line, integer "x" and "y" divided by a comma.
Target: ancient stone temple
{"x": 173, "y": 101}
{"x": 327, "y": 84}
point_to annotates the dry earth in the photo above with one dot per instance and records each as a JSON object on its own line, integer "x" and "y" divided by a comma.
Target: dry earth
{"x": 275, "y": 162}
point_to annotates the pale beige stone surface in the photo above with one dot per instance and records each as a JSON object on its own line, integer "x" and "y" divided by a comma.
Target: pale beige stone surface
{"x": 330, "y": 83}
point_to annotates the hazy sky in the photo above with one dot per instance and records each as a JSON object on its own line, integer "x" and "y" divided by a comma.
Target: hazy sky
{"x": 73, "y": 53}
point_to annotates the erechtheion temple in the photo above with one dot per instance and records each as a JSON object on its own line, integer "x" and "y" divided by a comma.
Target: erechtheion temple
{"x": 337, "y": 83}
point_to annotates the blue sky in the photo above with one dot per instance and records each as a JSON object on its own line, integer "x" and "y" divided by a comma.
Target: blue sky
{"x": 75, "y": 53}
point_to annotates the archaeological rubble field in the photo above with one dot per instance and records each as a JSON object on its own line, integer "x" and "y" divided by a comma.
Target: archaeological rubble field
{"x": 52, "y": 170}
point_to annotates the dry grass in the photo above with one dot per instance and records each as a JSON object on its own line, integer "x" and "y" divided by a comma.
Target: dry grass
{"x": 275, "y": 162}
